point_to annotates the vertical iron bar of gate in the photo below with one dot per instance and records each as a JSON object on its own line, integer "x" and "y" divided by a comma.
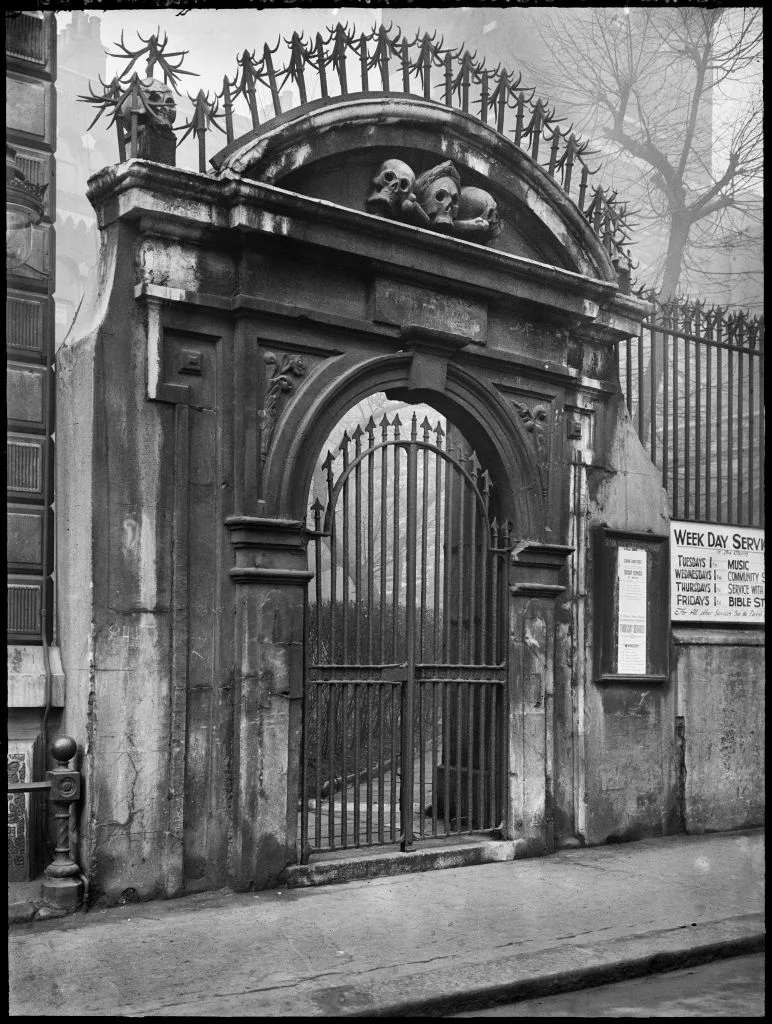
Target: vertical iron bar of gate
{"x": 369, "y": 746}
{"x": 676, "y": 506}
{"x": 435, "y": 760}
{"x": 473, "y": 581}
{"x": 437, "y": 549}
{"x": 381, "y": 799}
{"x": 356, "y": 688}
{"x": 333, "y": 585}
{"x": 698, "y": 449}
{"x": 708, "y": 410}
{"x": 370, "y": 546}
{"x": 331, "y": 711}
{"x": 344, "y": 550}
{"x": 665, "y": 411}
{"x": 762, "y": 442}
{"x": 639, "y": 388}
{"x": 460, "y": 650}
{"x": 394, "y": 703}
{"x": 448, "y": 561}
{"x": 653, "y": 390}
{"x": 424, "y": 547}
{"x": 729, "y": 431}
{"x": 751, "y": 436}
{"x": 459, "y": 748}
{"x": 358, "y": 545}
{"x": 343, "y": 771}
{"x": 687, "y": 421}
{"x": 395, "y": 580}
{"x": 719, "y": 414}
{"x": 740, "y": 404}
{"x": 408, "y": 686}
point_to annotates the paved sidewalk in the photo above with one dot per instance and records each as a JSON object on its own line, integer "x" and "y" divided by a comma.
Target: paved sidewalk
{"x": 422, "y": 944}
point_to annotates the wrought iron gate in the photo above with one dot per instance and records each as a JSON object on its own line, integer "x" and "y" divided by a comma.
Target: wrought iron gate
{"x": 404, "y": 702}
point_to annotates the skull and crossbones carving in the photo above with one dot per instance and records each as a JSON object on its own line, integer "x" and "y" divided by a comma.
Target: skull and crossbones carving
{"x": 434, "y": 200}
{"x": 393, "y": 189}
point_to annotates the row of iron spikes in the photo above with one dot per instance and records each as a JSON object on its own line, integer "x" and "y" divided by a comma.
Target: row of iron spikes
{"x": 427, "y": 429}
{"x": 542, "y": 117}
{"x": 686, "y": 311}
{"x": 206, "y": 111}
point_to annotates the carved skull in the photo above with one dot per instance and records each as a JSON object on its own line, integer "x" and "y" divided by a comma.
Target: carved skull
{"x": 438, "y": 193}
{"x": 442, "y": 203}
{"x": 393, "y": 187}
{"x": 475, "y": 204}
{"x": 162, "y": 107}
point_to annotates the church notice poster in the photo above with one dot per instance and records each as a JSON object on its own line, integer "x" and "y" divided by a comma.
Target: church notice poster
{"x": 716, "y": 573}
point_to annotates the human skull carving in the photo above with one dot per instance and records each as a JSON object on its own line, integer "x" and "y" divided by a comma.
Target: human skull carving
{"x": 161, "y": 105}
{"x": 438, "y": 191}
{"x": 434, "y": 200}
{"x": 478, "y": 214}
{"x": 392, "y": 188}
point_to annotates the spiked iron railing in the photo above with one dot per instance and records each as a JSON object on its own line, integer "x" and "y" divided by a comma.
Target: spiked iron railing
{"x": 694, "y": 384}
{"x": 345, "y": 63}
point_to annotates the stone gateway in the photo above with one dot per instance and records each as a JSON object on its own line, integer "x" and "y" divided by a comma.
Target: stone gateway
{"x": 370, "y": 245}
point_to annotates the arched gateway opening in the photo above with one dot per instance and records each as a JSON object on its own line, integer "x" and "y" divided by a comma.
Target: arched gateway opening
{"x": 405, "y": 685}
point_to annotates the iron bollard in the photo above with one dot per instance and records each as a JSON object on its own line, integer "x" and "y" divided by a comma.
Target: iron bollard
{"x": 62, "y": 886}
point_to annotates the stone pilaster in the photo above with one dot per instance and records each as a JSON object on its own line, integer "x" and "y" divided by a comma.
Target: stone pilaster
{"x": 534, "y": 585}
{"x": 271, "y": 574}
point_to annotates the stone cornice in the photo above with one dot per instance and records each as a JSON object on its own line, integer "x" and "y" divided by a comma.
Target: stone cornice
{"x": 197, "y": 206}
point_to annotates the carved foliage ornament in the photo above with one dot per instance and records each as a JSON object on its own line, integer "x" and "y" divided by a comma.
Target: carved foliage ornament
{"x": 286, "y": 370}
{"x": 435, "y": 200}
{"x": 535, "y": 421}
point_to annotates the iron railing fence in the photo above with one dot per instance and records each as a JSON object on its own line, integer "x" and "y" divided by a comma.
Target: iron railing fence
{"x": 693, "y": 380}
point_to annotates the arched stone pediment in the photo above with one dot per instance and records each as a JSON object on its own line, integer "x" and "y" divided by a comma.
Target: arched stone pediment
{"x": 333, "y": 150}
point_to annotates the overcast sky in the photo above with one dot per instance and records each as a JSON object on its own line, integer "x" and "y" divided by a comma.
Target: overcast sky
{"x": 215, "y": 37}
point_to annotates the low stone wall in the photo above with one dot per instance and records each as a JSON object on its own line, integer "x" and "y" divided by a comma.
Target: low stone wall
{"x": 719, "y": 679}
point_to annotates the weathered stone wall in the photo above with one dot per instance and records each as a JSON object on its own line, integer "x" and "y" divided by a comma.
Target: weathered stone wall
{"x": 719, "y": 678}
{"x": 628, "y": 758}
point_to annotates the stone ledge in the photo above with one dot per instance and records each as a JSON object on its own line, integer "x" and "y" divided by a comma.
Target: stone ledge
{"x": 382, "y": 865}
{"x": 699, "y": 636}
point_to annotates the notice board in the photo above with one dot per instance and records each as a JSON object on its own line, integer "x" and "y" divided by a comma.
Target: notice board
{"x": 717, "y": 574}
{"x": 632, "y": 624}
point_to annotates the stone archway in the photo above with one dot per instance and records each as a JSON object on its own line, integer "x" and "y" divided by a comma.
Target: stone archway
{"x": 237, "y": 319}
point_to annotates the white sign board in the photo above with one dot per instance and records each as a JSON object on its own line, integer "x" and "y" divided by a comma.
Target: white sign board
{"x": 716, "y": 573}
{"x": 631, "y": 635}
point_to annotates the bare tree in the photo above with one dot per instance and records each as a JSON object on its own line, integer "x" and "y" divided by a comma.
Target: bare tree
{"x": 675, "y": 94}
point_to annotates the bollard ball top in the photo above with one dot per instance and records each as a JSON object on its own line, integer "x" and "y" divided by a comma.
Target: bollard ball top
{"x": 63, "y": 749}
